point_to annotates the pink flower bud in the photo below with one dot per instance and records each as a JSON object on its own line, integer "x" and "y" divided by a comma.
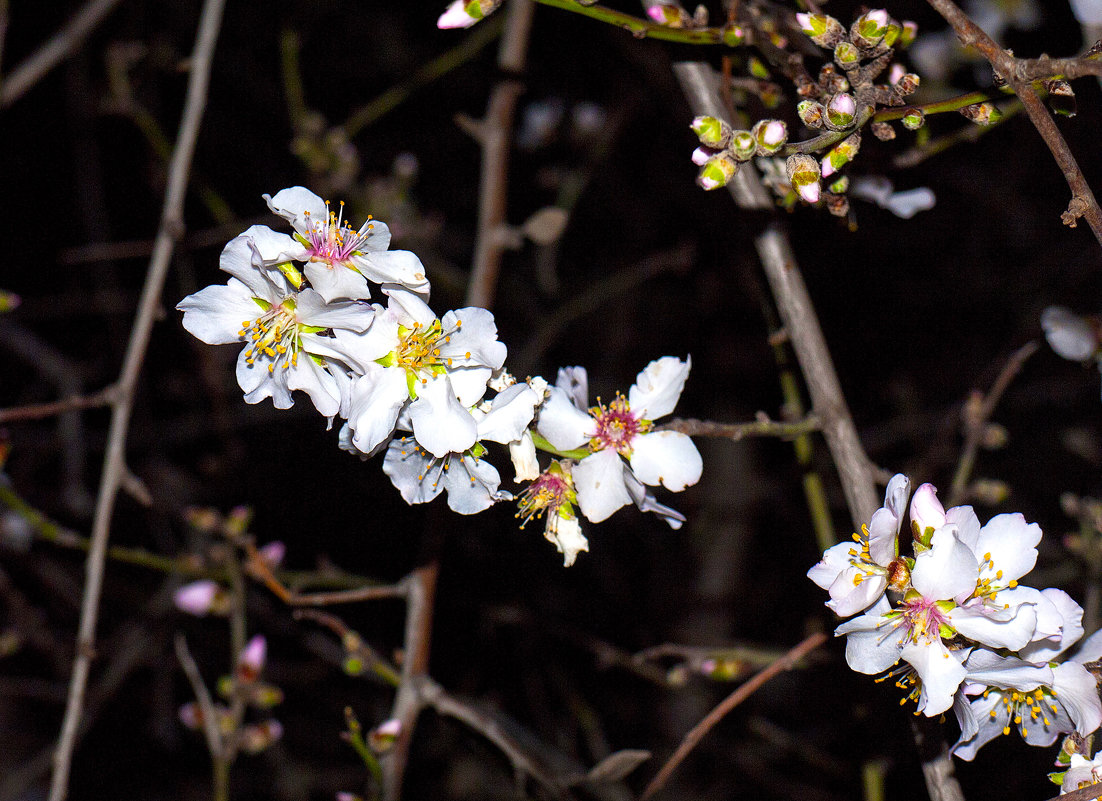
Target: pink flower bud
{"x": 272, "y": 554}
{"x": 252, "y": 659}
{"x": 927, "y": 513}
{"x": 197, "y": 598}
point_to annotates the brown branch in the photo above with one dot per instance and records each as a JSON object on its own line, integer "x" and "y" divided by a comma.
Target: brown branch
{"x": 1083, "y": 203}
{"x": 257, "y": 568}
{"x": 786, "y": 662}
{"x": 114, "y": 466}
{"x": 976, "y": 422}
{"x": 38, "y": 411}
{"x": 763, "y": 427}
{"x": 1082, "y": 794}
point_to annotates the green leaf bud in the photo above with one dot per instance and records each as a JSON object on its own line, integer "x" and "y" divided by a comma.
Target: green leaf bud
{"x": 846, "y": 55}
{"x": 914, "y": 119}
{"x": 743, "y": 145}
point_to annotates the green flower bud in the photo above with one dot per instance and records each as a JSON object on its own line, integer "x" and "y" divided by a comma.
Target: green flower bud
{"x": 914, "y": 119}
{"x": 743, "y": 145}
{"x": 717, "y": 172}
{"x": 822, "y": 29}
{"x": 712, "y": 131}
{"x": 892, "y": 34}
{"x": 841, "y": 186}
{"x": 770, "y": 136}
{"x": 803, "y": 174}
{"x": 869, "y": 29}
{"x": 908, "y": 34}
{"x": 841, "y": 154}
{"x": 840, "y": 111}
{"x": 982, "y": 113}
{"x": 733, "y": 35}
{"x": 846, "y": 55}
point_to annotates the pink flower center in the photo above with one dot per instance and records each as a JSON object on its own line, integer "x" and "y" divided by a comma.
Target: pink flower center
{"x": 617, "y": 426}
{"x": 333, "y": 240}
{"x": 923, "y": 619}
{"x": 549, "y": 492}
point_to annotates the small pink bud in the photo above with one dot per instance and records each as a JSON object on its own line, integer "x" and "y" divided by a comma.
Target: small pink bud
{"x": 702, "y": 154}
{"x": 252, "y": 659}
{"x": 456, "y": 15}
{"x": 197, "y": 598}
{"x": 896, "y": 72}
{"x": 272, "y": 554}
{"x": 382, "y": 737}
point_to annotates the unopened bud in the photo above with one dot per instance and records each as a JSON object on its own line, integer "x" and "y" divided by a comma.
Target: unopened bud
{"x": 982, "y": 113}
{"x": 743, "y": 145}
{"x": 837, "y": 205}
{"x": 382, "y": 737}
{"x": 907, "y": 35}
{"x": 672, "y": 16}
{"x": 712, "y": 131}
{"x": 840, "y": 186}
{"x": 914, "y": 119}
{"x": 907, "y": 84}
{"x": 803, "y": 174}
{"x": 831, "y": 80}
{"x": 251, "y": 660}
{"x": 733, "y": 35}
{"x": 995, "y": 437}
{"x": 770, "y": 136}
{"x": 927, "y": 513}
{"x": 811, "y": 113}
{"x": 702, "y": 154}
{"x": 892, "y": 34}
{"x": 840, "y": 111}
{"x": 201, "y": 598}
{"x": 1068, "y": 334}
{"x": 717, "y": 172}
{"x": 1061, "y": 98}
{"x": 257, "y": 737}
{"x": 822, "y": 29}
{"x": 869, "y": 29}
{"x": 465, "y": 13}
{"x": 841, "y": 154}
{"x": 846, "y": 55}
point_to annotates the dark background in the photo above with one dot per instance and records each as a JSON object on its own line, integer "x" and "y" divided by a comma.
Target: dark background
{"x": 917, "y": 314}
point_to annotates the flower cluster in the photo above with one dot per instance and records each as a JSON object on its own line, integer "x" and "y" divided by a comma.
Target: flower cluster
{"x": 429, "y": 392}
{"x": 968, "y": 635}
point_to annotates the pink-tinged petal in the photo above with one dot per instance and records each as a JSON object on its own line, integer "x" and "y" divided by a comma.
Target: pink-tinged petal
{"x": 941, "y": 673}
{"x": 509, "y": 415}
{"x": 599, "y": 482}
{"x": 440, "y": 424}
{"x": 313, "y": 309}
{"x": 1077, "y": 690}
{"x": 455, "y": 16}
{"x": 1012, "y": 544}
{"x": 377, "y": 397}
{"x": 658, "y": 387}
{"x": 300, "y": 207}
{"x": 669, "y": 458}
{"x": 254, "y": 654}
{"x": 854, "y": 590}
{"x": 1011, "y": 628}
{"x": 562, "y": 424}
{"x": 947, "y": 570}
{"x": 883, "y": 536}
{"x": 926, "y": 510}
{"x": 336, "y": 281}
{"x": 215, "y": 314}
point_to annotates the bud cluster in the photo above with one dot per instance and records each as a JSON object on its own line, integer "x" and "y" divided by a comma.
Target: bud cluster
{"x": 722, "y": 149}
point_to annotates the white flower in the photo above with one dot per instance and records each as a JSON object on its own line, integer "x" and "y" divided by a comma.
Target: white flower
{"x": 1082, "y": 773}
{"x": 280, "y": 325}
{"x": 858, "y": 576}
{"x": 471, "y": 481}
{"x": 623, "y": 428}
{"x": 1042, "y": 700}
{"x": 339, "y": 258}
{"x": 405, "y": 356}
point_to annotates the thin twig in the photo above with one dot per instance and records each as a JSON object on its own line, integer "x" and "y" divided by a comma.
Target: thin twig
{"x": 64, "y": 43}
{"x": 38, "y": 411}
{"x": 697, "y": 733}
{"x": 1083, "y": 203}
{"x": 257, "y": 568}
{"x": 736, "y": 431}
{"x": 495, "y": 133}
{"x": 170, "y": 229}
{"x": 976, "y": 422}
{"x": 202, "y": 698}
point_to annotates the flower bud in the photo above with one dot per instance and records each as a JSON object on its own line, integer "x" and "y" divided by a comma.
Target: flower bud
{"x": 717, "y": 172}
{"x": 256, "y": 737}
{"x": 465, "y": 13}
{"x": 811, "y": 113}
{"x": 743, "y": 145}
{"x": 907, "y": 84}
{"x": 733, "y": 35}
{"x": 712, "y": 131}
{"x": 841, "y": 154}
{"x": 382, "y": 737}
{"x": 702, "y": 154}
{"x": 982, "y": 113}
{"x": 672, "y": 16}
{"x": 822, "y": 29}
{"x": 770, "y": 136}
{"x": 989, "y": 491}
{"x": 840, "y": 111}
{"x": 831, "y": 80}
{"x": 1061, "y": 98}
{"x": 907, "y": 35}
{"x": 251, "y": 661}
{"x": 927, "y": 513}
{"x": 803, "y": 174}
{"x": 914, "y": 119}
{"x": 837, "y": 205}
{"x": 869, "y": 29}
{"x": 272, "y": 554}
{"x": 201, "y": 598}
{"x": 846, "y": 55}
{"x": 840, "y": 186}
{"x": 1069, "y": 335}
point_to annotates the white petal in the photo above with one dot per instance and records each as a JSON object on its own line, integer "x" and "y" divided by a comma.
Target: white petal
{"x": 1068, "y": 334}
{"x": 238, "y": 258}
{"x": 995, "y": 629}
{"x": 940, "y": 671}
{"x": 562, "y": 424}
{"x": 1012, "y": 544}
{"x": 315, "y": 381}
{"x": 473, "y": 342}
{"x": 300, "y": 207}
{"x": 853, "y": 591}
{"x": 377, "y": 397}
{"x": 522, "y": 453}
{"x": 394, "y": 267}
{"x": 412, "y": 471}
{"x": 312, "y": 309}
{"x": 259, "y": 384}
{"x": 472, "y": 485}
{"x": 835, "y": 559}
{"x": 271, "y": 247}
{"x": 987, "y": 726}
{"x": 1077, "y": 690}
{"x": 408, "y": 307}
{"x": 646, "y": 502}
{"x": 873, "y": 642}
{"x": 509, "y": 416}
{"x": 567, "y": 535}
{"x": 440, "y": 423}
{"x": 574, "y": 381}
{"x": 599, "y": 482}
{"x": 947, "y": 570}
{"x": 217, "y": 314}
{"x": 668, "y": 458}
{"x": 658, "y": 387}
{"x": 1070, "y": 623}
{"x": 336, "y": 281}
